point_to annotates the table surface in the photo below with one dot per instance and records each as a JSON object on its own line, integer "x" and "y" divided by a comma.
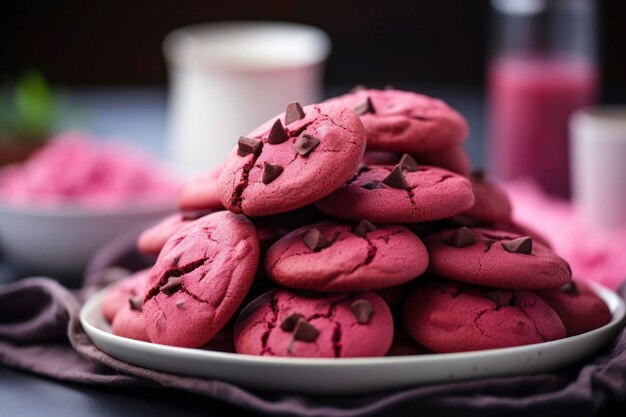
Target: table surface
{"x": 139, "y": 116}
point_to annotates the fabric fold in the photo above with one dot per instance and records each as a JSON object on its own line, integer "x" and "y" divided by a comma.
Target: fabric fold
{"x": 40, "y": 332}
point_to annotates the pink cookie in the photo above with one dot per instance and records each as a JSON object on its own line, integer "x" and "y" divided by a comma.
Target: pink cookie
{"x": 495, "y": 259}
{"x": 380, "y": 158}
{"x": 453, "y": 159}
{"x": 331, "y": 256}
{"x": 578, "y": 306}
{"x": 117, "y": 296}
{"x": 152, "y": 240}
{"x": 491, "y": 205}
{"x": 273, "y": 227}
{"x": 520, "y": 229}
{"x": 284, "y": 165}
{"x": 463, "y": 220}
{"x": 445, "y": 316}
{"x": 130, "y": 322}
{"x": 200, "y": 192}
{"x": 403, "y": 121}
{"x": 200, "y": 278}
{"x": 344, "y": 325}
{"x": 388, "y": 194}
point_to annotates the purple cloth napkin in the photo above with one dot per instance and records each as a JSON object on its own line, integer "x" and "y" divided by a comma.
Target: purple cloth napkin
{"x": 40, "y": 332}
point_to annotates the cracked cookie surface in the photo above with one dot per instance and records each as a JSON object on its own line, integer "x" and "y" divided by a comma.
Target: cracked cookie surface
{"x": 200, "y": 278}
{"x": 260, "y": 328}
{"x": 446, "y": 316}
{"x": 433, "y": 193}
{"x": 403, "y": 121}
{"x": 278, "y": 178}
{"x": 387, "y": 256}
{"x": 486, "y": 262}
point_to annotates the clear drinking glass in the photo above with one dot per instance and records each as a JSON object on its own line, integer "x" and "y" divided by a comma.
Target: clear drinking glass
{"x": 542, "y": 68}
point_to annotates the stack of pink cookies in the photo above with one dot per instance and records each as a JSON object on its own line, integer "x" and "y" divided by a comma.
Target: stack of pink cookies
{"x": 350, "y": 228}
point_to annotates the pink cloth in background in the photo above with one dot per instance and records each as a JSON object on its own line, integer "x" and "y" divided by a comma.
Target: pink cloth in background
{"x": 594, "y": 255}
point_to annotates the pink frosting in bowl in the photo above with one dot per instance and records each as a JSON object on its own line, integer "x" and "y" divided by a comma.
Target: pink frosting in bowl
{"x": 75, "y": 171}
{"x": 71, "y": 197}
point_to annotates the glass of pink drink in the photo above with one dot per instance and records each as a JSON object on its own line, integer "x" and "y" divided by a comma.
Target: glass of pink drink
{"x": 542, "y": 71}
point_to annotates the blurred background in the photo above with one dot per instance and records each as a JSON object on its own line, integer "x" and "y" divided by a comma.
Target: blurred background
{"x": 114, "y": 48}
{"x": 99, "y": 66}
{"x": 516, "y": 69}
{"x": 94, "y": 43}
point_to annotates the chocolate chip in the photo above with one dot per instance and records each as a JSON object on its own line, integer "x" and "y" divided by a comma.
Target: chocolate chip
{"x": 358, "y": 87}
{"x": 136, "y": 303}
{"x": 407, "y": 162}
{"x": 294, "y": 112}
{"x": 523, "y": 245}
{"x": 372, "y": 185}
{"x": 305, "y": 331}
{"x": 365, "y": 107}
{"x": 277, "y": 133}
{"x": 289, "y": 322}
{"x": 246, "y": 146}
{"x": 362, "y": 310}
{"x": 570, "y": 288}
{"x": 305, "y": 144}
{"x": 173, "y": 284}
{"x": 363, "y": 228}
{"x": 478, "y": 175}
{"x": 270, "y": 172}
{"x": 194, "y": 214}
{"x": 462, "y": 237}
{"x": 315, "y": 240}
{"x": 396, "y": 179}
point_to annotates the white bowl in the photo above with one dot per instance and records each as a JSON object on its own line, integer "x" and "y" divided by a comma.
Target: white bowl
{"x": 60, "y": 241}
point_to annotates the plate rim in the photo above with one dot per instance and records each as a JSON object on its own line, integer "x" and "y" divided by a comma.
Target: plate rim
{"x": 93, "y": 302}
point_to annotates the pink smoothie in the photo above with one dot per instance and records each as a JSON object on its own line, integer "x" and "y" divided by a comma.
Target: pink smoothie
{"x": 530, "y": 101}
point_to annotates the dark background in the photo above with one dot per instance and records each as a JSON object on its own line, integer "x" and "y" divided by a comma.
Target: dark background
{"x": 102, "y": 43}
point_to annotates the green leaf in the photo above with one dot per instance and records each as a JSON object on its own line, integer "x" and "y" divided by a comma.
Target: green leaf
{"x": 34, "y": 105}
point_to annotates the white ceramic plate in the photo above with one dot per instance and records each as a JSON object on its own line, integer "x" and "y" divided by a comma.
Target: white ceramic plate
{"x": 350, "y": 376}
